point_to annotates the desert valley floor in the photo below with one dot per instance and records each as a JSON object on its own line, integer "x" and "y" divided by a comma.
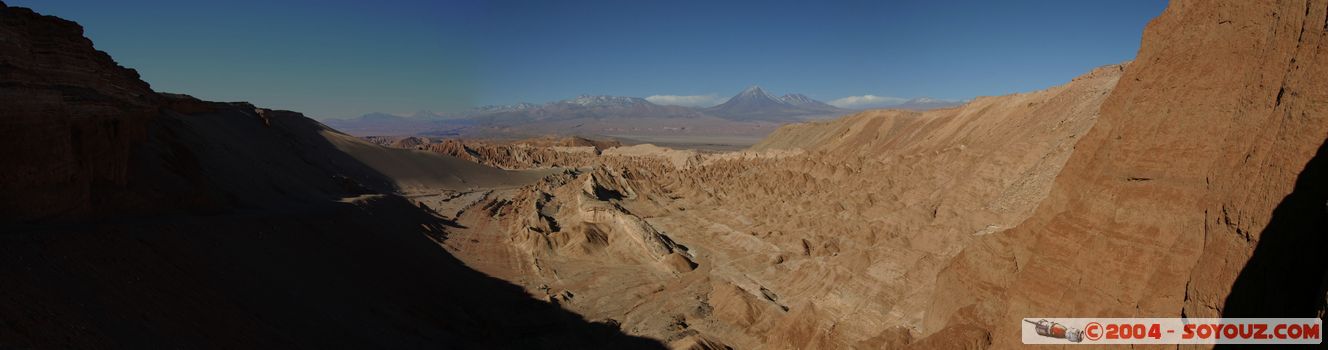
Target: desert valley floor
{"x": 1189, "y": 182}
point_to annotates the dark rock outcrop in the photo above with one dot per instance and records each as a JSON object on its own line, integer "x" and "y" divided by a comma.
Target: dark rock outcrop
{"x": 70, "y": 118}
{"x": 132, "y": 219}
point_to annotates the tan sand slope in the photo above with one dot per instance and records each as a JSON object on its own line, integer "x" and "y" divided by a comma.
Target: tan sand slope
{"x": 418, "y": 170}
{"x": 286, "y": 158}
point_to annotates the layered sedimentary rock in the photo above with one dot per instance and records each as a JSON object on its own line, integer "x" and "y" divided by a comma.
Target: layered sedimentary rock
{"x": 70, "y": 117}
{"x": 1199, "y": 193}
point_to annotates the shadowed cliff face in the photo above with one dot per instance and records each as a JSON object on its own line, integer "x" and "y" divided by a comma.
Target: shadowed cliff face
{"x": 1164, "y": 201}
{"x": 1285, "y": 275}
{"x": 70, "y": 117}
{"x": 137, "y": 220}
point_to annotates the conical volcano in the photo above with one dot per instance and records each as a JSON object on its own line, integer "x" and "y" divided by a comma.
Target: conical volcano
{"x": 754, "y": 103}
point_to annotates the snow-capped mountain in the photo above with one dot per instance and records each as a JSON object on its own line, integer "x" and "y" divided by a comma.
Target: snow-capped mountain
{"x": 504, "y": 108}
{"x": 584, "y": 106}
{"x": 754, "y": 103}
{"x": 755, "y": 94}
{"x": 605, "y": 101}
{"x": 804, "y": 102}
{"x": 797, "y": 99}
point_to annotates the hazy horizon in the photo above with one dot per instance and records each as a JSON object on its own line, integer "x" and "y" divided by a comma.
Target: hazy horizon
{"x": 337, "y": 59}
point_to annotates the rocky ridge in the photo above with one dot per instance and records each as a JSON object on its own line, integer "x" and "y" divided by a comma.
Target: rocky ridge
{"x": 71, "y": 117}
{"x": 1212, "y": 137}
{"x": 133, "y": 219}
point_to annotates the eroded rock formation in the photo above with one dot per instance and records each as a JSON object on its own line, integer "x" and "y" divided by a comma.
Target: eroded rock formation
{"x": 1166, "y": 198}
{"x": 1187, "y": 183}
{"x": 71, "y": 116}
{"x": 827, "y": 235}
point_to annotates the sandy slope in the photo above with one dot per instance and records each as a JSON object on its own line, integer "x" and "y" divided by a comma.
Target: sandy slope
{"x": 288, "y": 157}
{"x": 418, "y": 170}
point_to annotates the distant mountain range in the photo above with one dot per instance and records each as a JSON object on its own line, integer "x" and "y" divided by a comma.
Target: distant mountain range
{"x": 807, "y": 103}
{"x": 756, "y": 104}
{"x": 584, "y": 106}
{"x": 753, "y": 104}
{"x": 925, "y": 103}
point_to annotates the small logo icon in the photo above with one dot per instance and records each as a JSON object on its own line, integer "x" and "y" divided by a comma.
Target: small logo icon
{"x": 1056, "y": 330}
{"x": 1094, "y": 331}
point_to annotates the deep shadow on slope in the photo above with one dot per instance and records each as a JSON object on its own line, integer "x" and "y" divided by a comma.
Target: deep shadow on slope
{"x": 1285, "y": 277}
{"x": 358, "y": 277}
{"x": 262, "y": 254}
{"x": 131, "y": 219}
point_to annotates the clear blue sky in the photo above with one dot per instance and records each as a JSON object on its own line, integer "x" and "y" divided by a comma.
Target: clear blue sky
{"x": 337, "y": 58}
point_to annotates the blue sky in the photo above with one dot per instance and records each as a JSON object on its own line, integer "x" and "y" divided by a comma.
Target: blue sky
{"x": 337, "y": 58}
